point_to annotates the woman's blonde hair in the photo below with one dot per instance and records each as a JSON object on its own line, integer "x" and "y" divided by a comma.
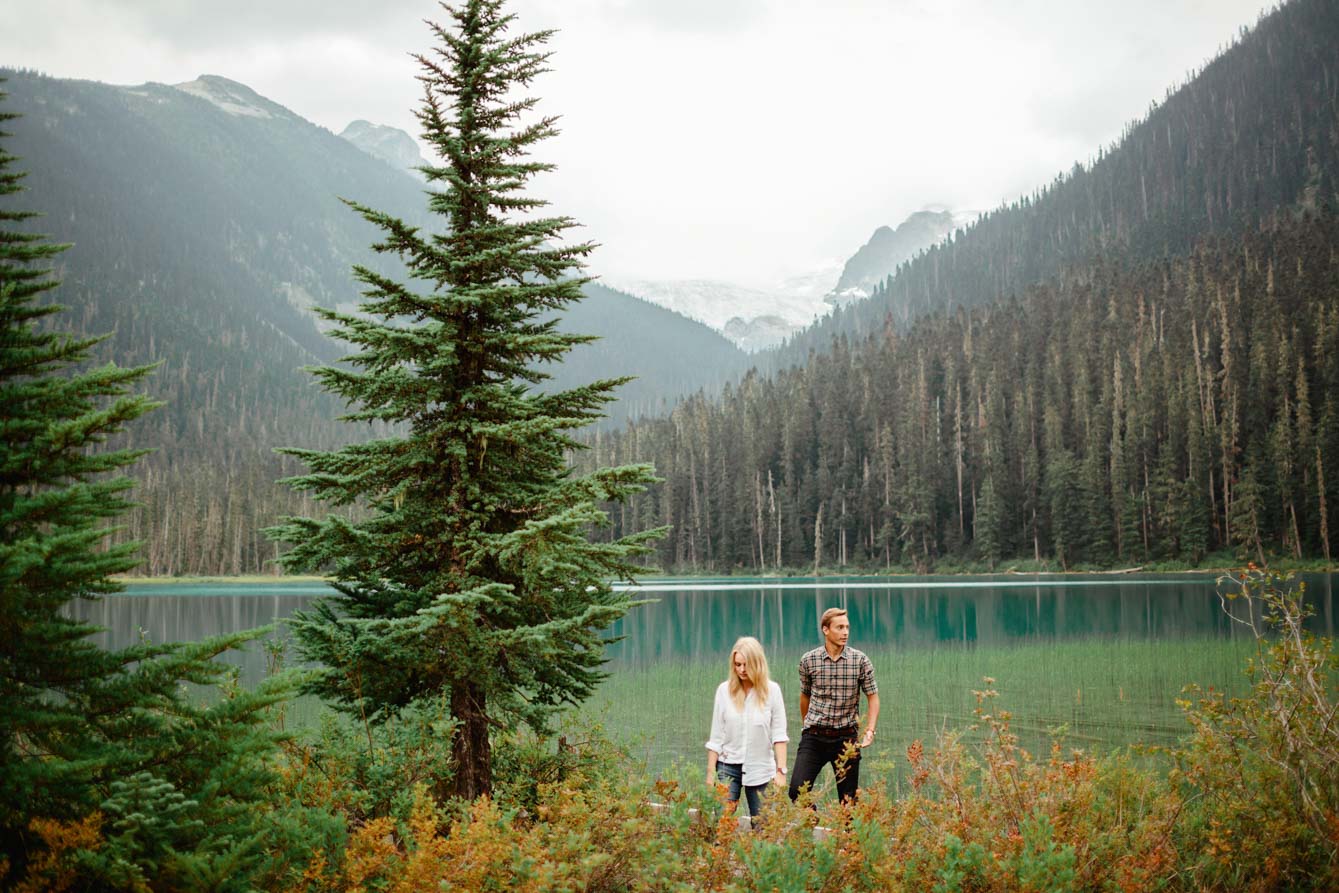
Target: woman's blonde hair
{"x": 755, "y": 661}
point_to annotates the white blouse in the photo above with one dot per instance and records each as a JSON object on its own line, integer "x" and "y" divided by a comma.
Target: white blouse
{"x": 746, "y": 736}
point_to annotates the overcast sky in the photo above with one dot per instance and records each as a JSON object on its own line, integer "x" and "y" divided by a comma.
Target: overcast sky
{"x": 739, "y": 139}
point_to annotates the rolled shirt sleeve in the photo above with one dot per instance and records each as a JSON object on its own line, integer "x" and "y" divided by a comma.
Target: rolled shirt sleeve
{"x": 867, "y": 683}
{"x": 778, "y": 705}
{"x": 806, "y": 678}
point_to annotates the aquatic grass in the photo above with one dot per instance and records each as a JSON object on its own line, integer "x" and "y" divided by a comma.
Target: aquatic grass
{"x": 1101, "y": 694}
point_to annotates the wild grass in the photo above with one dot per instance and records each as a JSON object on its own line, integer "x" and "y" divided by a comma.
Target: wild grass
{"x": 1099, "y": 695}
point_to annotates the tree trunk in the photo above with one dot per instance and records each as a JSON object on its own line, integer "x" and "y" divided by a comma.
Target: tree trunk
{"x": 1324, "y": 510}
{"x": 818, "y": 539}
{"x": 470, "y": 747}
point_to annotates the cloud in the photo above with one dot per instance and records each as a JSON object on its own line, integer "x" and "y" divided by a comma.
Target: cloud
{"x": 729, "y": 138}
{"x": 690, "y": 16}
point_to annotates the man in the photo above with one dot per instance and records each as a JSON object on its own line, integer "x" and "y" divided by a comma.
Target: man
{"x": 831, "y": 680}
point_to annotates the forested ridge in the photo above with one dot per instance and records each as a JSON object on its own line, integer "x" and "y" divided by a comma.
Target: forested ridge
{"x": 202, "y": 240}
{"x": 1124, "y": 413}
{"x": 1135, "y": 363}
{"x": 1251, "y": 131}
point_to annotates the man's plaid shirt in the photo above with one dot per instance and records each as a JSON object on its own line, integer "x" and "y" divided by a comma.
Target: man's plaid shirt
{"x": 834, "y": 686}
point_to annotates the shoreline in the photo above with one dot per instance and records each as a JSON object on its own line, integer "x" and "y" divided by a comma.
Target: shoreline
{"x": 1318, "y": 567}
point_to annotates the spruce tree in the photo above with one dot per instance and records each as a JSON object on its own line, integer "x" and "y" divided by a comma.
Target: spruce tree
{"x": 102, "y": 754}
{"x": 470, "y": 576}
{"x": 56, "y": 500}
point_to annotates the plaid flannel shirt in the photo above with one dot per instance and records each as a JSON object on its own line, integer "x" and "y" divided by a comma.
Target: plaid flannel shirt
{"x": 834, "y": 686}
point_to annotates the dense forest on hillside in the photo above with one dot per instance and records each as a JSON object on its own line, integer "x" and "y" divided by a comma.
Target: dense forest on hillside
{"x": 201, "y": 241}
{"x": 1136, "y": 362}
{"x": 1121, "y": 414}
{"x": 1252, "y": 131}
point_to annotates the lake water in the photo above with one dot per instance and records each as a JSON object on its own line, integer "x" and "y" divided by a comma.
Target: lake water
{"x": 1104, "y": 656}
{"x": 697, "y": 619}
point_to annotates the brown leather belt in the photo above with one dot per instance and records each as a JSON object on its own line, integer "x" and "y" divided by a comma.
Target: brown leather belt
{"x": 830, "y": 732}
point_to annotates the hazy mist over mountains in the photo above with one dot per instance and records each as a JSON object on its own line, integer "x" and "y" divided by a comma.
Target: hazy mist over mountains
{"x": 1137, "y": 361}
{"x": 888, "y": 249}
{"x": 757, "y": 318}
{"x": 206, "y": 224}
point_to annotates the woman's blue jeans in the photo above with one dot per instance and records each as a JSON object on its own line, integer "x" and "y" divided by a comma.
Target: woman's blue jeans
{"x": 732, "y": 774}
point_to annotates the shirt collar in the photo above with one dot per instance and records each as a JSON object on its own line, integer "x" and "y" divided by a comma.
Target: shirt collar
{"x": 828, "y": 655}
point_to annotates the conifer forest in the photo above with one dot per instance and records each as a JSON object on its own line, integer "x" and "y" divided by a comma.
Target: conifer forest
{"x": 1120, "y": 415}
{"x": 355, "y": 537}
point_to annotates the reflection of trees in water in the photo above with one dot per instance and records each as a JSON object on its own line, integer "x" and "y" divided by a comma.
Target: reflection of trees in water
{"x": 702, "y": 624}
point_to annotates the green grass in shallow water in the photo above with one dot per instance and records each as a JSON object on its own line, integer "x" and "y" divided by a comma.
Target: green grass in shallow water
{"x": 1104, "y": 694}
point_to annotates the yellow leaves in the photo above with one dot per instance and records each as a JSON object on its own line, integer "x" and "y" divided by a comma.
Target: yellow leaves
{"x": 842, "y": 765}
{"x": 314, "y": 877}
{"x": 51, "y": 870}
{"x": 371, "y": 854}
{"x": 428, "y": 849}
{"x": 920, "y": 774}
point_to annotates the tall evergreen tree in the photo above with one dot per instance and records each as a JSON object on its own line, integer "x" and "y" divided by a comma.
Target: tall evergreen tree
{"x": 101, "y": 749}
{"x": 55, "y": 502}
{"x": 472, "y": 577}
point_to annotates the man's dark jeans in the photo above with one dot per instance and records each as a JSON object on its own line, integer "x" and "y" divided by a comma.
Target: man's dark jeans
{"x": 817, "y": 751}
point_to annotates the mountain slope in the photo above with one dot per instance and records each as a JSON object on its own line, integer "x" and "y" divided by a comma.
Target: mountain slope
{"x": 1140, "y": 362}
{"x": 1249, "y": 134}
{"x": 206, "y": 222}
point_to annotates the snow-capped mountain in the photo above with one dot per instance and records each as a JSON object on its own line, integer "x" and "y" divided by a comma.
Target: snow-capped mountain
{"x": 888, "y": 248}
{"x": 752, "y": 317}
{"x": 236, "y": 99}
{"x": 759, "y": 317}
{"x": 759, "y": 333}
{"x": 390, "y": 144}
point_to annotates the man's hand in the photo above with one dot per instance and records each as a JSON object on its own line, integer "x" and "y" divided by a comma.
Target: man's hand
{"x": 868, "y": 738}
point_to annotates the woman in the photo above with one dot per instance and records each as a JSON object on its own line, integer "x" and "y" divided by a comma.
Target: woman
{"x": 747, "y": 748}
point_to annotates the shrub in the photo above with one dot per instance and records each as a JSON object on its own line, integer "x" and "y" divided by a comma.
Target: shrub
{"x": 1262, "y": 772}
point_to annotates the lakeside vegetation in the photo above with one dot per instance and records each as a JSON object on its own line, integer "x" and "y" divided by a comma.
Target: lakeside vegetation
{"x": 1096, "y": 695}
{"x": 1240, "y": 799}
{"x": 472, "y": 599}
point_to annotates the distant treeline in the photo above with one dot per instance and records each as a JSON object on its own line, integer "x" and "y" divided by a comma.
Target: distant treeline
{"x": 1162, "y": 411}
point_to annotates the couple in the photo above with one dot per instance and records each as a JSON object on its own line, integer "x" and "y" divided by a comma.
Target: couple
{"x": 747, "y": 749}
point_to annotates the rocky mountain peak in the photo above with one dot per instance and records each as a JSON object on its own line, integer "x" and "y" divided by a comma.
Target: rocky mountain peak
{"x": 234, "y": 98}
{"x": 886, "y": 250}
{"x": 390, "y": 144}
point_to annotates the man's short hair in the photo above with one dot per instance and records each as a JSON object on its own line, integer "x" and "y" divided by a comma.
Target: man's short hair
{"x": 826, "y": 620}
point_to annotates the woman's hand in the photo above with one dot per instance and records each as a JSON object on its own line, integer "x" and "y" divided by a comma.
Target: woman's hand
{"x": 779, "y": 779}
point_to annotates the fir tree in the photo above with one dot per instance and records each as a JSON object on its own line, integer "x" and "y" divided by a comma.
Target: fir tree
{"x": 472, "y": 578}
{"x": 55, "y": 501}
{"x": 91, "y": 738}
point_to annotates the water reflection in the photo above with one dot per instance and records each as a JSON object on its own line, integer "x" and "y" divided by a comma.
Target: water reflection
{"x": 699, "y": 619}
{"x": 693, "y": 621}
